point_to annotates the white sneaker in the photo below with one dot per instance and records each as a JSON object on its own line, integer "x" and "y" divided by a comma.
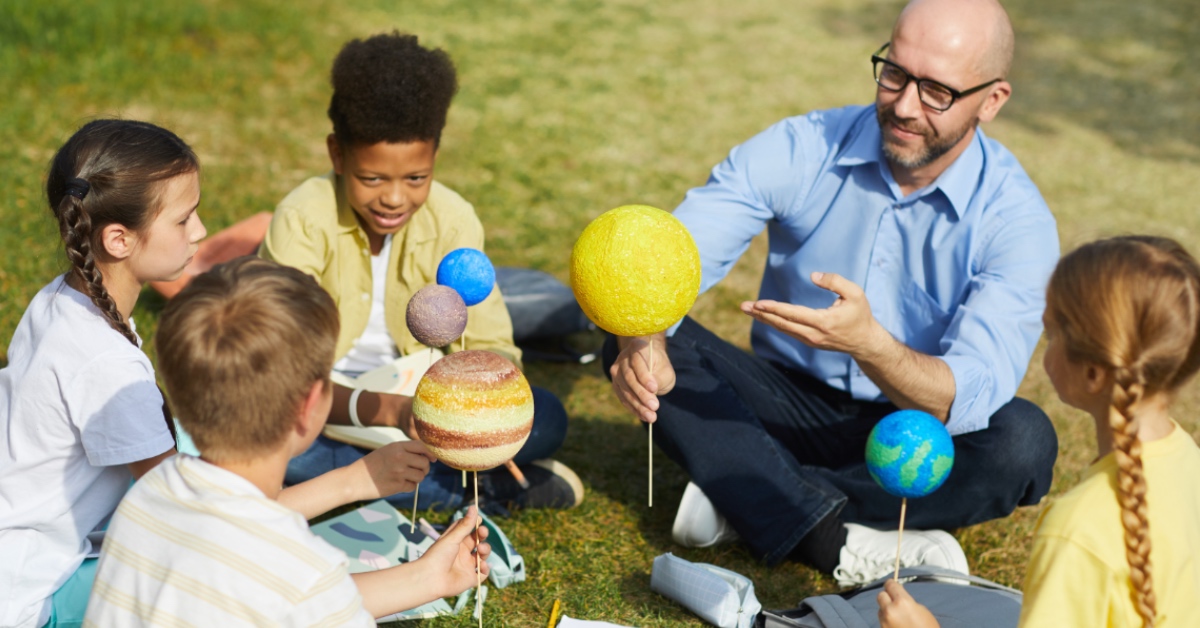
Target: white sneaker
{"x": 697, "y": 523}
{"x": 871, "y": 554}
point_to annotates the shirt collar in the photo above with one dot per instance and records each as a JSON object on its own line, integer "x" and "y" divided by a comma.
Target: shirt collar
{"x": 347, "y": 221}
{"x": 961, "y": 179}
{"x": 957, "y": 183}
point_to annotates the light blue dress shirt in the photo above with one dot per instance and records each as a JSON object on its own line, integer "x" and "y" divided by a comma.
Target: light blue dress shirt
{"x": 956, "y": 270}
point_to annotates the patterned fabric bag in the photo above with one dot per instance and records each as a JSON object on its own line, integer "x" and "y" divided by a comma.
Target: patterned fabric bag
{"x": 377, "y": 536}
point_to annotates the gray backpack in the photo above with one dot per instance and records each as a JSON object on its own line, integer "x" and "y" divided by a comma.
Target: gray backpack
{"x": 957, "y": 600}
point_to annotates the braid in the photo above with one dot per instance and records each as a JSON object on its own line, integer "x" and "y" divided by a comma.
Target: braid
{"x": 76, "y": 228}
{"x": 111, "y": 172}
{"x": 1131, "y": 489}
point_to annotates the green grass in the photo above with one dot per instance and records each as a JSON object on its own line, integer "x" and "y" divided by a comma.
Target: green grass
{"x": 570, "y": 108}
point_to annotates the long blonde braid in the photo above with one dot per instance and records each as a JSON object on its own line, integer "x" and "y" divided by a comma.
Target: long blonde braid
{"x": 1131, "y": 489}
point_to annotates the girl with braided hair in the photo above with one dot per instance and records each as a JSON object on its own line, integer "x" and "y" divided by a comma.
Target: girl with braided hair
{"x": 1123, "y": 547}
{"x": 80, "y": 412}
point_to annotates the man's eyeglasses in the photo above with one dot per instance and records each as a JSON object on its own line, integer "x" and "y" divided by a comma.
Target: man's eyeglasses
{"x": 933, "y": 94}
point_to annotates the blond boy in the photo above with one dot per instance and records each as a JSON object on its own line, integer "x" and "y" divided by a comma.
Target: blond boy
{"x": 245, "y": 352}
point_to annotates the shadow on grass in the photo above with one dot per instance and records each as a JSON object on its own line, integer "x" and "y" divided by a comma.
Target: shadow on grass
{"x": 1121, "y": 69}
{"x": 608, "y": 449}
{"x": 611, "y": 456}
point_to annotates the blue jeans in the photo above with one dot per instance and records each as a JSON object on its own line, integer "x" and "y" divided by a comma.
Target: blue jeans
{"x": 776, "y": 450}
{"x": 442, "y": 488}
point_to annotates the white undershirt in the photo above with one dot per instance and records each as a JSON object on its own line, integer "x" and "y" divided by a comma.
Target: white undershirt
{"x": 375, "y": 347}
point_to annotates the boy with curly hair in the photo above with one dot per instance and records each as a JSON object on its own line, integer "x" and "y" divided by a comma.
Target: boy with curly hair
{"x": 372, "y": 233}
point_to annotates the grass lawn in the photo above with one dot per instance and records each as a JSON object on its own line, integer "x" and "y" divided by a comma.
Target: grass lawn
{"x": 567, "y": 109}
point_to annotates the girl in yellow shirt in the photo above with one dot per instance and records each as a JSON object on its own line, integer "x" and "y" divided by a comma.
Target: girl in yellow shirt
{"x": 1122, "y": 319}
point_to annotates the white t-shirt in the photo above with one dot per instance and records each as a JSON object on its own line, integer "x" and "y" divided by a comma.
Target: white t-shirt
{"x": 375, "y": 347}
{"x": 193, "y": 543}
{"x": 78, "y": 402}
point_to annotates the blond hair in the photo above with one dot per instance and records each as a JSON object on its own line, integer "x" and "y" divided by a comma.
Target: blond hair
{"x": 1131, "y": 305}
{"x": 239, "y": 348}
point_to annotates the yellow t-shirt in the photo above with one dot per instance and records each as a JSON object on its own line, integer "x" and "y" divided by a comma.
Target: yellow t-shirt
{"x": 1078, "y": 575}
{"x": 315, "y": 230}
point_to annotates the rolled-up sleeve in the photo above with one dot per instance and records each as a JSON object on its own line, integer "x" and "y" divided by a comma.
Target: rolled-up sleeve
{"x": 993, "y": 333}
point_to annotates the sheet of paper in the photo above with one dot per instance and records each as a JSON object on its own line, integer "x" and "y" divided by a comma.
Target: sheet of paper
{"x": 399, "y": 377}
{"x": 569, "y": 622}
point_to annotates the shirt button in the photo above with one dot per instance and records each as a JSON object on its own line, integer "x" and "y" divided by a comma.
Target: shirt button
{"x": 366, "y": 296}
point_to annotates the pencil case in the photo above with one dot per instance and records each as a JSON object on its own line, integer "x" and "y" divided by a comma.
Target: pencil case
{"x": 720, "y": 597}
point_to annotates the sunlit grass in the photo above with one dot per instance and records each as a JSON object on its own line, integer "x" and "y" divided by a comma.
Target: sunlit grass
{"x": 567, "y": 109}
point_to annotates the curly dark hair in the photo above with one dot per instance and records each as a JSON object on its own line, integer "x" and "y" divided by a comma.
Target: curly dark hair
{"x": 387, "y": 88}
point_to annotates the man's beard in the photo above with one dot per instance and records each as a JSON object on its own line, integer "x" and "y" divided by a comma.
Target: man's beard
{"x": 935, "y": 146}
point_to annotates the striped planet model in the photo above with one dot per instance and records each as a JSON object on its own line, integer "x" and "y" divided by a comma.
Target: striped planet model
{"x": 473, "y": 410}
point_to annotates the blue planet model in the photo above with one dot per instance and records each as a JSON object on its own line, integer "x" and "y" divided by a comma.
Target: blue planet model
{"x": 910, "y": 453}
{"x": 470, "y": 272}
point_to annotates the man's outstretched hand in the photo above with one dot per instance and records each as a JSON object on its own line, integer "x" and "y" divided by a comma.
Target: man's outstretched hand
{"x": 846, "y": 326}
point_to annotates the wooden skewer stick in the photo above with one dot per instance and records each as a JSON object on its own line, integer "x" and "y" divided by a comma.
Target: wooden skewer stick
{"x": 900, "y": 536}
{"x": 650, "y": 436}
{"x": 413, "y": 524}
{"x": 464, "y": 348}
{"x": 418, "y": 489}
{"x": 478, "y": 576}
{"x": 516, "y": 473}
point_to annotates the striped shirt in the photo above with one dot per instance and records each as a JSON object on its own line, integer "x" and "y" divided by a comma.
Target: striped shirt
{"x": 195, "y": 545}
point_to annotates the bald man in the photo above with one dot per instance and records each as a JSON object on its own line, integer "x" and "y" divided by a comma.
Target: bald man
{"x": 908, "y": 258}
